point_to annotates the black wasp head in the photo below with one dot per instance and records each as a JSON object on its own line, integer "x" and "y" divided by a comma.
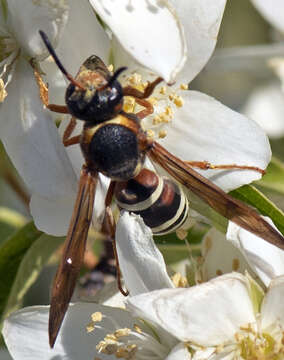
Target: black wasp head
{"x": 101, "y": 98}
{"x": 94, "y": 95}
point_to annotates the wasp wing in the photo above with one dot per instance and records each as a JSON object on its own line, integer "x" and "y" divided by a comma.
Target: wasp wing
{"x": 73, "y": 253}
{"x": 215, "y": 197}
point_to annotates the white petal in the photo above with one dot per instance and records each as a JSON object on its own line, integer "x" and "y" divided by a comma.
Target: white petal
{"x": 141, "y": 262}
{"x": 273, "y": 11}
{"x": 32, "y": 142}
{"x": 25, "y": 332}
{"x": 28, "y": 17}
{"x": 179, "y": 352}
{"x": 214, "y": 246}
{"x": 201, "y": 21}
{"x": 149, "y": 31}
{"x": 266, "y": 106}
{"x": 266, "y": 260}
{"x": 206, "y": 314}
{"x": 205, "y": 129}
{"x": 83, "y": 37}
{"x": 272, "y": 308}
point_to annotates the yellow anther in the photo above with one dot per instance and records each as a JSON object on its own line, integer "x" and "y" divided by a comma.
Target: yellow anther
{"x": 163, "y": 90}
{"x": 169, "y": 111}
{"x": 235, "y": 264}
{"x": 3, "y": 92}
{"x": 156, "y": 120}
{"x": 110, "y": 338}
{"x": 164, "y": 118}
{"x": 107, "y": 347}
{"x": 152, "y": 100}
{"x": 179, "y": 280}
{"x": 150, "y": 133}
{"x": 183, "y": 86}
{"x": 137, "y": 328}
{"x": 97, "y": 316}
{"x": 90, "y": 327}
{"x": 129, "y": 104}
{"x": 178, "y": 101}
{"x": 110, "y": 68}
{"x": 135, "y": 79}
{"x": 162, "y": 134}
{"x": 122, "y": 332}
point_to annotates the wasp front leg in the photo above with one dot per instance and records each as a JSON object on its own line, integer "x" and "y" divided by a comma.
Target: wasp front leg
{"x": 131, "y": 91}
{"x": 43, "y": 91}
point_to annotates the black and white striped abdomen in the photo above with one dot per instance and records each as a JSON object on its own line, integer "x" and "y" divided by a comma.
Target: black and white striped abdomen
{"x": 160, "y": 201}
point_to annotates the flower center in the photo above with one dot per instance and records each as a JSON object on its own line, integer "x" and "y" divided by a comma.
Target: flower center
{"x": 9, "y": 51}
{"x": 255, "y": 345}
{"x": 165, "y": 101}
{"x": 139, "y": 343}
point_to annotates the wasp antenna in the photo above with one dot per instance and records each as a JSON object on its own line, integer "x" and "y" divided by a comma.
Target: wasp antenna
{"x": 113, "y": 78}
{"x": 116, "y": 75}
{"x": 57, "y": 61}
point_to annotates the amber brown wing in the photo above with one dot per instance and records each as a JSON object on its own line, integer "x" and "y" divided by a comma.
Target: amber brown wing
{"x": 73, "y": 253}
{"x": 215, "y": 197}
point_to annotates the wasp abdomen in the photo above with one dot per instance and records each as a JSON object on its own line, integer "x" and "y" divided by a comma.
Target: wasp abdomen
{"x": 159, "y": 201}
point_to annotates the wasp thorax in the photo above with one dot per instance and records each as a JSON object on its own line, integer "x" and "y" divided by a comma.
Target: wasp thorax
{"x": 93, "y": 104}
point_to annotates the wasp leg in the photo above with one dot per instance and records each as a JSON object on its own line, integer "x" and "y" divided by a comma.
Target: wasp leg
{"x": 131, "y": 91}
{"x": 205, "y": 165}
{"x": 67, "y": 139}
{"x": 147, "y": 111}
{"x": 43, "y": 91}
{"x": 109, "y": 229}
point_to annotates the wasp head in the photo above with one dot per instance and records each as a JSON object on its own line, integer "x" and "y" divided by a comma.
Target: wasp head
{"x": 101, "y": 96}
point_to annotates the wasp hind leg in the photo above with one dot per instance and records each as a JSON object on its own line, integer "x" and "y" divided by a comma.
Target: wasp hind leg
{"x": 108, "y": 229}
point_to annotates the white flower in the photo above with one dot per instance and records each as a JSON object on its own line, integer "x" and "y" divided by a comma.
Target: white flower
{"x": 266, "y": 260}
{"x": 225, "y": 318}
{"x": 88, "y": 331}
{"x": 244, "y": 251}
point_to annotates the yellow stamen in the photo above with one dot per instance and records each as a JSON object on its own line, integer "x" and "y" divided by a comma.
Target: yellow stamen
{"x": 179, "y": 280}
{"x": 90, "y": 327}
{"x": 163, "y": 90}
{"x": 122, "y": 332}
{"x": 97, "y": 316}
{"x": 183, "y": 86}
{"x": 162, "y": 134}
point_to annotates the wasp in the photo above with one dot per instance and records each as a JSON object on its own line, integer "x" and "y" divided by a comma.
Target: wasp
{"x": 113, "y": 143}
